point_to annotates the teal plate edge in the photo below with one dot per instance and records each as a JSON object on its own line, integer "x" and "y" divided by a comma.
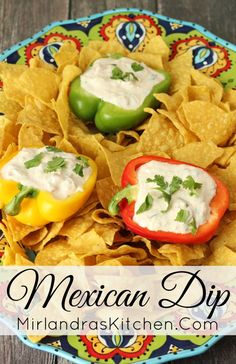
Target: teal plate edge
{"x": 45, "y": 347}
{"x": 201, "y": 29}
{"x": 162, "y": 359}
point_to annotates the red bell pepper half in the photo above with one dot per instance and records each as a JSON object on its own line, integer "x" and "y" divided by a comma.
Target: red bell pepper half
{"x": 124, "y": 201}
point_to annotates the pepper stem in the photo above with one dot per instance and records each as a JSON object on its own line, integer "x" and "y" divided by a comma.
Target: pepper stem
{"x": 14, "y": 205}
{"x": 129, "y": 193}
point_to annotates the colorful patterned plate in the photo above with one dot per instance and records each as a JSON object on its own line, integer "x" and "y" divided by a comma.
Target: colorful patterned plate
{"x": 133, "y": 28}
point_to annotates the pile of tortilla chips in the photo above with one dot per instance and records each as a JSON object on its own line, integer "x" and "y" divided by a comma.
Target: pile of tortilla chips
{"x": 196, "y": 123}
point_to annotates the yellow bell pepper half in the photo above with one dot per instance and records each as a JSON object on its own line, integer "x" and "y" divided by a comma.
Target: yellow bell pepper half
{"x": 43, "y": 208}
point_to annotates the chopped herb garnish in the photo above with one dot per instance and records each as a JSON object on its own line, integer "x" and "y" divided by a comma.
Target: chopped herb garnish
{"x": 159, "y": 180}
{"x": 34, "y": 162}
{"x": 79, "y": 169}
{"x": 84, "y": 160}
{"x": 184, "y": 216}
{"x": 118, "y": 74}
{"x": 136, "y": 67}
{"x": 14, "y": 205}
{"x": 175, "y": 185}
{"x": 166, "y": 189}
{"x": 190, "y": 184}
{"x": 193, "y": 226}
{"x": 167, "y": 198}
{"x": 129, "y": 76}
{"x": 53, "y": 149}
{"x": 146, "y": 205}
{"x": 55, "y": 164}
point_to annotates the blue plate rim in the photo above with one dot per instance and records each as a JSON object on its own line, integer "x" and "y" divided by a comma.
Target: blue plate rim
{"x": 78, "y": 360}
{"x": 3, "y": 55}
{"x": 203, "y": 30}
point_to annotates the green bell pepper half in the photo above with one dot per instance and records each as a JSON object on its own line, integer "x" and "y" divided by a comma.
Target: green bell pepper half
{"x": 108, "y": 117}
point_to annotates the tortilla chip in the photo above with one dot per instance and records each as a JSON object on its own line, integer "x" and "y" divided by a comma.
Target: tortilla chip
{"x": 201, "y": 93}
{"x": 77, "y": 226}
{"x": 9, "y": 108}
{"x": 61, "y": 106}
{"x": 228, "y": 177}
{"x": 107, "y": 232}
{"x": 157, "y": 45}
{"x": 87, "y": 56}
{"x": 35, "y": 113}
{"x": 226, "y": 237}
{"x": 39, "y": 83}
{"x": 126, "y": 137}
{"x": 117, "y": 161}
{"x": 223, "y": 256}
{"x": 8, "y": 133}
{"x": 67, "y": 55}
{"x": 209, "y": 122}
{"x": 106, "y": 189}
{"x": 224, "y": 159}
{"x": 103, "y": 217}
{"x": 180, "y": 68}
{"x": 230, "y": 97}
{"x": 35, "y": 237}
{"x": 203, "y": 154}
{"x": 151, "y": 60}
{"x": 187, "y": 135}
{"x": 214, "y": 86}
{"x": 17, "y": 229}
{"x": 22, "y": 261}
{"x": 10, "y": 74}
{"x": 180, "y": 254}
{"x": 30, "y": 137}
{"x": 172, "y": 102}
{"x": 160, "y": 134}
{"x": 53, "y": 254}
{"x": 8, "y": 257}
{"x": 53, "y": 230}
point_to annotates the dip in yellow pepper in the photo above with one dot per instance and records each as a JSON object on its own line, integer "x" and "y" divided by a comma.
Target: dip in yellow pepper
{"x": 42, "y": 185}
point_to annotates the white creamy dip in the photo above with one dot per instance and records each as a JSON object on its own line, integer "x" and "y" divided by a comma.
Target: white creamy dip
{"x": 128, "y": 94}
{"x": 197, "y": 206}
{"x": 61, "y": 183}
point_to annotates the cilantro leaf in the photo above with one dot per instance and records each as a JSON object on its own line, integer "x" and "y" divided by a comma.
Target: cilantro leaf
{"x": 191, "y": 185}
{"x": 167, "y": 198}
{"x": 55, "y": 164}
{"x": 117, "y": 73}
{"x": 162, "y": 187}
{"x": 83, "y": 160}
{"x": 182, "y": 216}
{"x": 193, "y": 226}
{"x": 129, "y": 76}
{"x": 175, "y": 185}
{"x": 146, "y": 205}
{"x": 136, "y": 67}
{"x": 159, "y": 180}
{"x": 53, "y": 149}
{"x": 34, "y": 162}
{"x": 79, "y": 169}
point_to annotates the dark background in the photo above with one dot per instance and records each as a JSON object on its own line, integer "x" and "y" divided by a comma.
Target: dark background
{"x": 20, "y": 19}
